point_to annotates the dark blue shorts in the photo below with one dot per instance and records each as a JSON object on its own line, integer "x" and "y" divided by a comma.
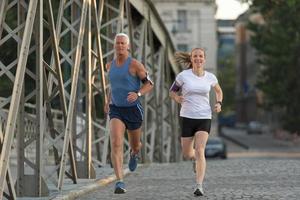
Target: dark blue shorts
{"x": 132, "y": 116}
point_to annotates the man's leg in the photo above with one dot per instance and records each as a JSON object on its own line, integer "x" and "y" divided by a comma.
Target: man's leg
{"x": 117, "y": 129}
{"x": 134, "y": 137}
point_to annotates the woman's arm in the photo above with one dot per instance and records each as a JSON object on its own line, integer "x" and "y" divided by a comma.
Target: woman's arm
{"x": 173, "y": 93}
{"x": 219, "y": 98}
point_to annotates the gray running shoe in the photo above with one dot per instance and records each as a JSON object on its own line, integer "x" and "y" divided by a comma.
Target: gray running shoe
{"x": 199, "y": 191}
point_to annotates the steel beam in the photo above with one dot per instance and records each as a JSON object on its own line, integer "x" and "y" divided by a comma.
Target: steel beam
{"x": 59, "y": 70}
{"x": 16, "y": 95}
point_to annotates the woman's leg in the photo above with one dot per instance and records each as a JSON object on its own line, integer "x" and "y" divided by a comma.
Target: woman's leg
{"x": 200, "y": 143}
{"x": 187, "y": 145}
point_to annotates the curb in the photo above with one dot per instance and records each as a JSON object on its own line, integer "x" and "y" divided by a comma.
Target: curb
{"x": 88, "y": 188}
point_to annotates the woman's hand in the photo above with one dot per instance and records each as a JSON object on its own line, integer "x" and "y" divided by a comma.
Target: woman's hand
{"x": 178, "y": 99}
{"x": 175, "y": 97}
{"x": 218, "y": 108}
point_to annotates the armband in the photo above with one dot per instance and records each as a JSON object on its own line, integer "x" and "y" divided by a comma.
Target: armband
{"x": 175, "y": 87}
{"x": 147, "y": 79}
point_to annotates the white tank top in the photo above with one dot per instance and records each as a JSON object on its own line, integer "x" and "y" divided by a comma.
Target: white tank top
{"x": 195, "y": 91}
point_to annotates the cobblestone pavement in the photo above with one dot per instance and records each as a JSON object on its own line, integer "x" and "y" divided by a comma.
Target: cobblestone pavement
{"x": 234, "y": 178}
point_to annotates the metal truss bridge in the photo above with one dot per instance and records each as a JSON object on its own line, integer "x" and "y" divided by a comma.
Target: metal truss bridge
{"x": 53, "y": 86}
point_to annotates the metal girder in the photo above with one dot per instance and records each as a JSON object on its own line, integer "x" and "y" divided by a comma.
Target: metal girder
{"x": 72, "y": 100}
{"x": 3, "y": 6}
{"x": 16, "y": 95}
{"x": 59, "y": 119}
{"x": 9, "y": 180}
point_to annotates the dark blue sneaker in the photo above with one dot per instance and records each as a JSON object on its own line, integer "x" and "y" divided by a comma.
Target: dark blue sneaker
{"x": 133, "y": 162}
{"x": 120, "y": 187}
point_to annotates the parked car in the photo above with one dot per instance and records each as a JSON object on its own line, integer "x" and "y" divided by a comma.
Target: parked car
{"x": 227, "y": 120}
{"x": 255, "y": 127}
{"x": 216, "y": 147}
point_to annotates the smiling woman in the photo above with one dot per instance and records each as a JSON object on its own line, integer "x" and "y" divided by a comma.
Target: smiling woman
{"x": 230, "y": 9}
{"x": 191, "y": 89}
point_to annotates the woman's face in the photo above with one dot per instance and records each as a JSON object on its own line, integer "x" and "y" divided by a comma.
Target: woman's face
{"x": 198, "y": 58}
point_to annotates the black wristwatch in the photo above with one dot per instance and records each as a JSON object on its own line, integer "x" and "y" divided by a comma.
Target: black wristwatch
{"x": 139, "y": 94}
{"x": 220, "y": 102}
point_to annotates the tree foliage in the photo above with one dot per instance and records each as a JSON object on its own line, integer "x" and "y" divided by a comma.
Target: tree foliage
{"x": 277, "y": 42}
{"x": 226, "y": 77}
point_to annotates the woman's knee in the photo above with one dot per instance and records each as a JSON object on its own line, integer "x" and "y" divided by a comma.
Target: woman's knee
{"x": 199, "y": 152}
{"x": 188, "y": 155}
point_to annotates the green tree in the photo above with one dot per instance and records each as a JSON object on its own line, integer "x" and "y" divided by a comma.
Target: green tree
{"x": 277, "y": 42}
{"x": 226, "y": 76}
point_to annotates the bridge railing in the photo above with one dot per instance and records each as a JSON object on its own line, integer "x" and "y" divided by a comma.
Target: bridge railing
{"x": 53, "y": 86}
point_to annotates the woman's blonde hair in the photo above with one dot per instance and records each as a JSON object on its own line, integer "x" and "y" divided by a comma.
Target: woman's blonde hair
{"x": 184, "y": 58}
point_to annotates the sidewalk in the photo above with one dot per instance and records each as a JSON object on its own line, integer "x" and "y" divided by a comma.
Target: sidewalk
{"x": 265, "y": 142}
{"x": 104, "y": 176}
{"x": 84, "y": 186}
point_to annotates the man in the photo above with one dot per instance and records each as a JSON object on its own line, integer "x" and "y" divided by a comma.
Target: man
{"x": 124, "y": 108}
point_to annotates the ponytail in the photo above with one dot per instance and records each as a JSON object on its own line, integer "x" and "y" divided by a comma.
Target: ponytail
{"x": 183, "y": 58}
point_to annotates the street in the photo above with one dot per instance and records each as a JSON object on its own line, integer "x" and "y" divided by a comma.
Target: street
{"x": 269, "y": 169}
{"x": 234, "y": 178}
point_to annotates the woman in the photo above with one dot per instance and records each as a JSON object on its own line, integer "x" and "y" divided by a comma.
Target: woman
{"x": 195, "y": 84}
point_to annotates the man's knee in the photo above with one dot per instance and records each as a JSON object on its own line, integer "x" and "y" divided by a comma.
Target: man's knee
{"x": 116, "y": 144}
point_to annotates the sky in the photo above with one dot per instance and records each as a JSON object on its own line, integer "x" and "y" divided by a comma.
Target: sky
{"x": 230, "y": 9}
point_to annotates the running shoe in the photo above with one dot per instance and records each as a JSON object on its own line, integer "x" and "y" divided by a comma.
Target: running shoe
{"x": 198, "y": 191}
{"x": 120, "y": 187}
{"x": 133, "y": 162}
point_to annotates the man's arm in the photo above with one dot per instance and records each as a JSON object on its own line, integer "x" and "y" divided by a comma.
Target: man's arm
{"x": 145, "y": 78}
{"x": 147, "y": 86}
{"x": 106, "y": 104}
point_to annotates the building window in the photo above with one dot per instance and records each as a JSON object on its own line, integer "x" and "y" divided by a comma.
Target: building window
{"x": 182, "y": 47}
{"x": 182, "y": 20}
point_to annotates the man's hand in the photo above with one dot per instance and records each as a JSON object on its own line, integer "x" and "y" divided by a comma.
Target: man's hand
{"x": 132, "y": 96}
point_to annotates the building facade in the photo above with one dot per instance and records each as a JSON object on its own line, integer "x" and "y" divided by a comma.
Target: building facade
{"x": 191, "y": 23}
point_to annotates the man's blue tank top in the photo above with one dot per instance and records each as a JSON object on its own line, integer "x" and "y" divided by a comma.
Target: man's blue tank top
{"x": 122, "y": 82}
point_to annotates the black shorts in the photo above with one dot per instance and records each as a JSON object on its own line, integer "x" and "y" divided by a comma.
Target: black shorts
{"x": 132, "y": 116}
{"x": 191, "y": 126}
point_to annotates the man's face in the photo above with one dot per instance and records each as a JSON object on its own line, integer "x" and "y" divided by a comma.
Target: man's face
{"x": 121, "y": 45}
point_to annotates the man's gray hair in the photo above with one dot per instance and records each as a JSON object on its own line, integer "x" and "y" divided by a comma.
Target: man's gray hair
{"x": 123, "y": 35}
